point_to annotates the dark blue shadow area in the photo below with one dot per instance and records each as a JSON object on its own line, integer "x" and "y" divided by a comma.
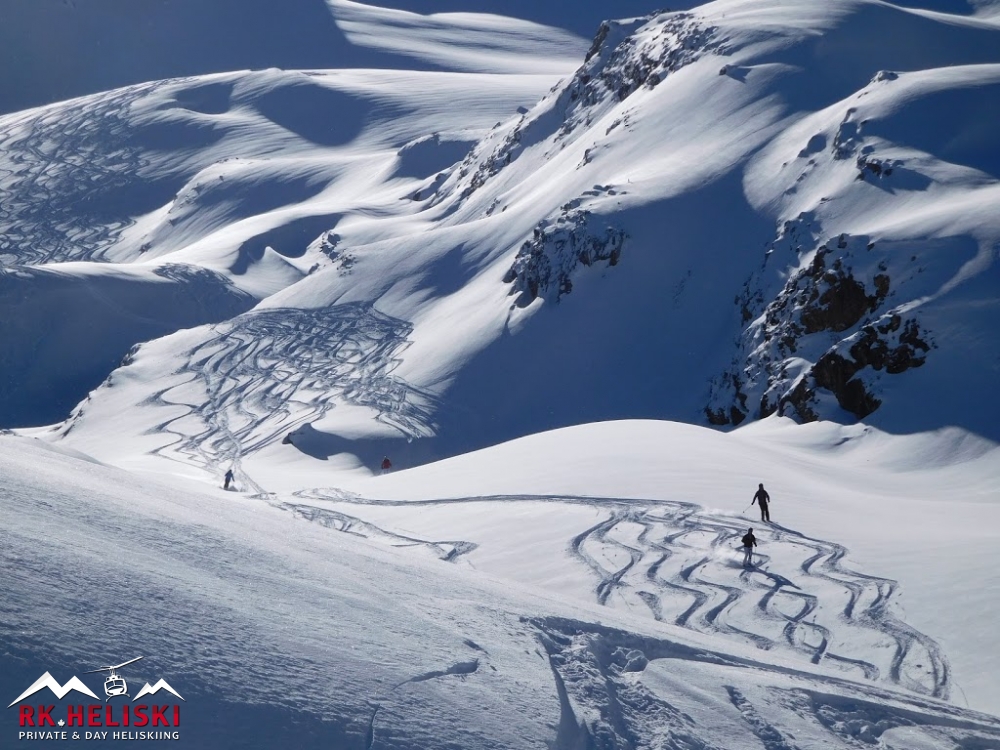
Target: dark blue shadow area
{"x": 51, "y": 50}
{"x": 290, "y": 240}
{"x": 316, "y": 113}
{"x": 430, "y": 156}
{"x": 881, "y": 37}
{"x": 173, "y": 136}
{"x": 631, "y": 341}
{"x": 62, "y": 335}
{"x": 402, "y": 453}
{"x": 207, "y": 99}
{"x": 960, "y": 125}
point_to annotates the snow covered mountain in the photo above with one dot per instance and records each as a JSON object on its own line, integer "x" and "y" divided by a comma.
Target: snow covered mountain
{"x": 431, "y": 235}
{"x": 723, "y": 214}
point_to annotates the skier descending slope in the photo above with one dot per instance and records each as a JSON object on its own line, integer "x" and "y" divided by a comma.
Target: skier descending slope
{"x": 749, "y": 542}
{"x": 763, "y": 499}
{"x": 229, "y": 478}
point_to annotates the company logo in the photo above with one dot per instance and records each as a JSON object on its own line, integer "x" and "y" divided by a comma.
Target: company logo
{"x": 48, "y": 681}
{"x": 126, "y": 719}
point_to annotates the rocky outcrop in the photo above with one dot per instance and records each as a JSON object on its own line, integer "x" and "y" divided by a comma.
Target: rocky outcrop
{"x": 821, "y": 339}
{"x": 625, "y": 57}
{"x": 620, "y": 63}
{"x": 545, "y": 264}
{"x": 891, "y": 345}
{"x": 825, "y": 297}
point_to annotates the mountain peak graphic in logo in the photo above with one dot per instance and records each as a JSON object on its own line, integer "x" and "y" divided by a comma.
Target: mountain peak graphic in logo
{"x": 160, "y": 685}
{"x": 48, "y": 681}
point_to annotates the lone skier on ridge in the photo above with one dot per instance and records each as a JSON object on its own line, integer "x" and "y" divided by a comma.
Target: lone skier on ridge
{"x": 762, "y": 498}
{"x": 229, "y": 478}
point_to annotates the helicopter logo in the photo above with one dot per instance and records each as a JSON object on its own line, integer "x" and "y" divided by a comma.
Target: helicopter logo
{"x": 114, "y": 683}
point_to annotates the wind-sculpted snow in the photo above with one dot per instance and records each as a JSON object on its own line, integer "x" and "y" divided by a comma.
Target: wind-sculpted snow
{"x": 266, "y": 373}
{"x": 682, "y": 565}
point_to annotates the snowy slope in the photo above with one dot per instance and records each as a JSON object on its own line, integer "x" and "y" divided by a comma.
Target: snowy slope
{"x": 514, "y": 620}
{"x": 246, "y": 162}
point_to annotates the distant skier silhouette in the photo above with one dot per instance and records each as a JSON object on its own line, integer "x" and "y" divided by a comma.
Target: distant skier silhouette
{"x": 762, "y": 499}
{"x": 386, "y": 465}
{"x": 749, "y": 542}
{"x": 229, "y": 478}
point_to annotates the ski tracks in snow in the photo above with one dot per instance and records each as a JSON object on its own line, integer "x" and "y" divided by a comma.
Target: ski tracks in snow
{"x": 69, "y": 174}
{"x": 618, "y": 689}
{"x": 266, "y": 373}
{"x": 447, "y": 551}
{"x": 683, "y": 565}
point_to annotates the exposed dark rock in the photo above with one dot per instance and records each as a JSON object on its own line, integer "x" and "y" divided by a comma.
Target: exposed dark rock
{"x": 839, "y": 307}
{"x": 885, "y": 75}
{"x": 835, "y": 373}
{"x": 801, "y": 398}
{"x": 817, "y": 335}
{"x": 876, "y": 167}
{"x": 544, "y": 264}
{"x": 716, "y": 417}
{"x": 623, "y": 62}
{"x": 872, "y": 347}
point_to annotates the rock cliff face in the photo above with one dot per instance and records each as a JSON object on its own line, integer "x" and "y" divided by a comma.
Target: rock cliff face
{"x": 545, "y": 263}
{"x": 822, "y": 341}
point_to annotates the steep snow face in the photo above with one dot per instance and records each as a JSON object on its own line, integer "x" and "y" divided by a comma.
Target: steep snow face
{"x": 725, "y": 212}
{"x": 831, "y": 325}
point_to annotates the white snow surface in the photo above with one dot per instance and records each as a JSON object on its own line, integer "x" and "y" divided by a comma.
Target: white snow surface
{"x": 576, "y": 586}
{"x": 531, "y": 274}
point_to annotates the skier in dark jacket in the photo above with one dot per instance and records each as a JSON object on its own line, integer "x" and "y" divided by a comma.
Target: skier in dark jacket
{"x": 749, "y": 542}
{"x": 386, "y": 464}
{"x": 762, "y": 498}
{"x": 229, "y": 478}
